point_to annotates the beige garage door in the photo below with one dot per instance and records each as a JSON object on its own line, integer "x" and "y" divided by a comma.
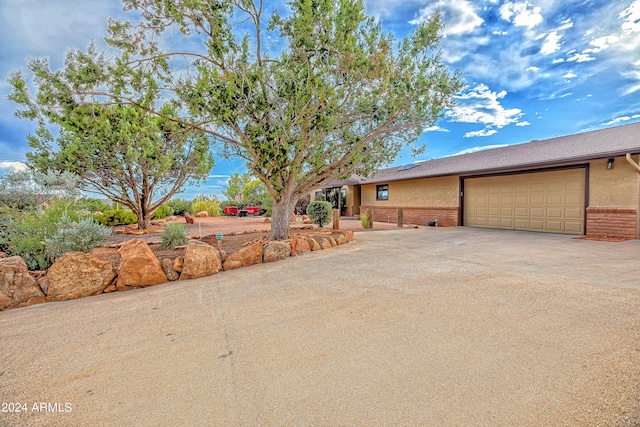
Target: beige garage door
{"x": 543, "y": 201}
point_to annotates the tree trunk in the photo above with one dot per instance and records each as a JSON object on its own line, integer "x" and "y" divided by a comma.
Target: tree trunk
{"x": 281, "y": 217}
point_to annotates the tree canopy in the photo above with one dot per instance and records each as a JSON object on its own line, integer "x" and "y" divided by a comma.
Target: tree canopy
{"x": 314, "y": 93}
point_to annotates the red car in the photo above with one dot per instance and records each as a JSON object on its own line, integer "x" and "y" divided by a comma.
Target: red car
{"x": 253, "y": 210}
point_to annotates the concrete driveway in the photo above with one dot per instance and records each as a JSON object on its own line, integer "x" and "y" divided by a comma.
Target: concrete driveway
{"x": 447, "y": 326}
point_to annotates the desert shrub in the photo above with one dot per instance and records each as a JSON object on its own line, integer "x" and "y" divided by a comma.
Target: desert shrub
{"x": 162, "y": 212}
{"x": 365, "y": 220}
{"x": 175, "y": 234}
{"x": 206, "y": 203}
{"x": 92, "y": 204}
{"x": 179, "y": 206}
{"x": 23, "y": 232}
{"x": 320, "y": 212}
{"x": 112, "y": 217}
{"x": 83, "y": 235}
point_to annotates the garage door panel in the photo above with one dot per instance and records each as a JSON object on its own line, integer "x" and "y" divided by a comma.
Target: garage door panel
{"x": 552, "y": 201}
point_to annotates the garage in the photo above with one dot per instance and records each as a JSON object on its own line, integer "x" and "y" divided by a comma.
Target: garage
{"x": 547, "y": 201}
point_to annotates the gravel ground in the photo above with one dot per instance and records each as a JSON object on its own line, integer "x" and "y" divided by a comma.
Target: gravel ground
{"x": 447, "y": 326}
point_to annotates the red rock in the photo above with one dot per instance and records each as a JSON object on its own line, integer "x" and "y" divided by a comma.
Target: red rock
{"x": 349, "y": 235}
{"x": 188, "y": 218}
{"x": 313, "y": 244}
{"x": 325, "y": 244}
{"x": 139, "y": 267}
{"x": 43, "y": 282}
{"x": 17, "y": 287}
{"x": 200, "y": 260}
{"x": 167, "y": 266}
{"x": 276, "y": 251}
{"x": 178, "y": 264}
{"x": 244, "y": 257}
{"x": 340, "y": 239}
{"x": 299, "y": 247}
{"x": 78, "y": 275}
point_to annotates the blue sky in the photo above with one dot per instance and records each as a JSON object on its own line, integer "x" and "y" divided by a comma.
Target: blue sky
{"x": 533, "y": 69}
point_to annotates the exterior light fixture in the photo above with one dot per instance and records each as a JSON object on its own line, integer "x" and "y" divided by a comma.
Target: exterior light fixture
{"x": 219, "y": 236}
{"x": 610, "y": 163}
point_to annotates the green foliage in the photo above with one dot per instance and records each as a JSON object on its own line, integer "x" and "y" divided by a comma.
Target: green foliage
{"x": 338, "y": 96}
{"x": 203, "y": 202}
{"x": 303, "y": 203}
{"x": 236, "y": 185}
{"x": 175, "y": 234}
{"x": 365, "y": 220}
{"x": 162, "y": 212}
{"x": 29, "y": 188}
{"x": 112, "y": 217}
{"x": 83, "y": 235}
{"x": 179, "y": 206}
{"x": 24, "y": 232}
{"x": 92, "y": 204}
{"x": 320, "y": 212}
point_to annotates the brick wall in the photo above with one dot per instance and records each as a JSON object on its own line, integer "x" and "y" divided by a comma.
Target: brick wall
{"x": 447, "y": 216}
{"x": 612, "y": 222}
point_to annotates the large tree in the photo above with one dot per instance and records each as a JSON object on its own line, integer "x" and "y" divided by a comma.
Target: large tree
{"x": 122, "y": 152}
{"x": 315, "y": 93}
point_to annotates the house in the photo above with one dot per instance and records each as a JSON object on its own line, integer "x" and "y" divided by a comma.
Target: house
{"x": 583, "y": 184}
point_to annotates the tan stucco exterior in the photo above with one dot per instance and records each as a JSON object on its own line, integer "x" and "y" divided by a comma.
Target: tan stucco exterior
{"x": 428, "y": 192}
{"x": 615, "y": 188}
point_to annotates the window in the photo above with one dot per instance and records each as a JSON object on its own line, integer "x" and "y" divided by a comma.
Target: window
{"x": 382, "y": 192}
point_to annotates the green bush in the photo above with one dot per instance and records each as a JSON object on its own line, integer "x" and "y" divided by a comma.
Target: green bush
{"x": 75, "y": 236}
{"x": 112, "y": 217}
{"x": 23, "y": 233}
{"x": 320, "y": 212}
{"x": 93, "y": 204}
{"x": 162, "y": 212}
{"x": 365, "y": 220}
{"x": 175, "y": 234}
{"x": 206, "y": 203}
{"x": 179, "y": 206}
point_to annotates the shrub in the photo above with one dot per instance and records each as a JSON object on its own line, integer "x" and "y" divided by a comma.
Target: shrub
{"x": 23, "y": 233}
{"x": 206, "y": 203}
{"x": 365, "y": 220}
{"x": 162, "y": 212}
{"x": 112, "y": 217}
{"x": 71, "y": 236}
{"x": 320, "y": 212}
{"x": 175, "y": 234}
{"x": 179, "y": 206}
{"x": 93, "y": 204}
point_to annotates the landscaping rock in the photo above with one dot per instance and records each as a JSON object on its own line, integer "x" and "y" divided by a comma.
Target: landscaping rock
{"x": 202, "y": 214}
{"x": 307, "y": 221}
{"x": 325, "y": 244}
{"x": 167, "y": 266}
{"x": 178, "y": 264}
{"x": 188, "y": 218}
{"x": 332, "y": 241}
{"x": 200, "y": 260}
{"x": 78, "y": 275}
{"x": 340, "y": 239}
{"x": 43, "y": 282}
{"x": 313, "y": 244}
{"x": 3, "y": 254}
{"x": 17, "y": 287}
{"x": 276, "y": 251}
{"x": 244, "y": 257}
{"x": 299, "y": 246}
{"x": 349, "y": 235}
{"x": 139, "y": 267}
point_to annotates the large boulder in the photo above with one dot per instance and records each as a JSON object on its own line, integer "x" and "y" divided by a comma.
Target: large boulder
{"x": 299, "y": 246}
{"x": 139, "y": 267}
{"x": 313, "y": 244}
{"x": 200, "y": 260}
{"x": 276, "y": 250}
{"x": 17, "y": 287}
{"x": 78, "y": 275}
{"x": 250, "y": 255}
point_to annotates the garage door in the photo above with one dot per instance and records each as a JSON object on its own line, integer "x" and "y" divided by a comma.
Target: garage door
{"x": 543, "y": 201}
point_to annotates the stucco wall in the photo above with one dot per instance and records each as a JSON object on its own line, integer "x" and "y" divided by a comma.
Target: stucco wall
{"x": 427, "y": 192}
{"x": 613, "y": 188}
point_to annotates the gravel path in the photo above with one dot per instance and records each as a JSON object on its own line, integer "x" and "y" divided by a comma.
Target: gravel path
{"x": 447, "y": 326}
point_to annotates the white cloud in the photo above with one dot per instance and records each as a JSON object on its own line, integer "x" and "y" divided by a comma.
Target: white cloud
{"x": 483, "y": 132}
{"x": 631, "y": 16}
{"x": 617, "y": 120}
{"x": 601, "y": 43}
{"x": 533, "y": 68}
{"x": 521, "y": 124}
{"x": 436, "y": 129}
{"x": 581, "y": 57}
{"x": 482, "y": 105}
{"x": 218, "y": 176}
{"x": 14, "y": 166}
{"x": 551, "y": 43}
{"x": 520, "y": 14}
{"x": 459, "y": 16}
{"x": 500, "y": 33}
{"x": 570, "y": 75}
{"x": 558, "y": 61}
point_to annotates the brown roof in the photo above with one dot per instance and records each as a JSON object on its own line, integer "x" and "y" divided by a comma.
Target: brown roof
{"x": 610, "y": 142}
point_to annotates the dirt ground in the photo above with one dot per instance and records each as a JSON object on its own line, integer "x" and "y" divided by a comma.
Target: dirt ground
{"x": 237, "y": 233}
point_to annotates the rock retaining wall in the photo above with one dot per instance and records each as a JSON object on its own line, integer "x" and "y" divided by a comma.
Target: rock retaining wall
{"x": 76, "y": 275}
